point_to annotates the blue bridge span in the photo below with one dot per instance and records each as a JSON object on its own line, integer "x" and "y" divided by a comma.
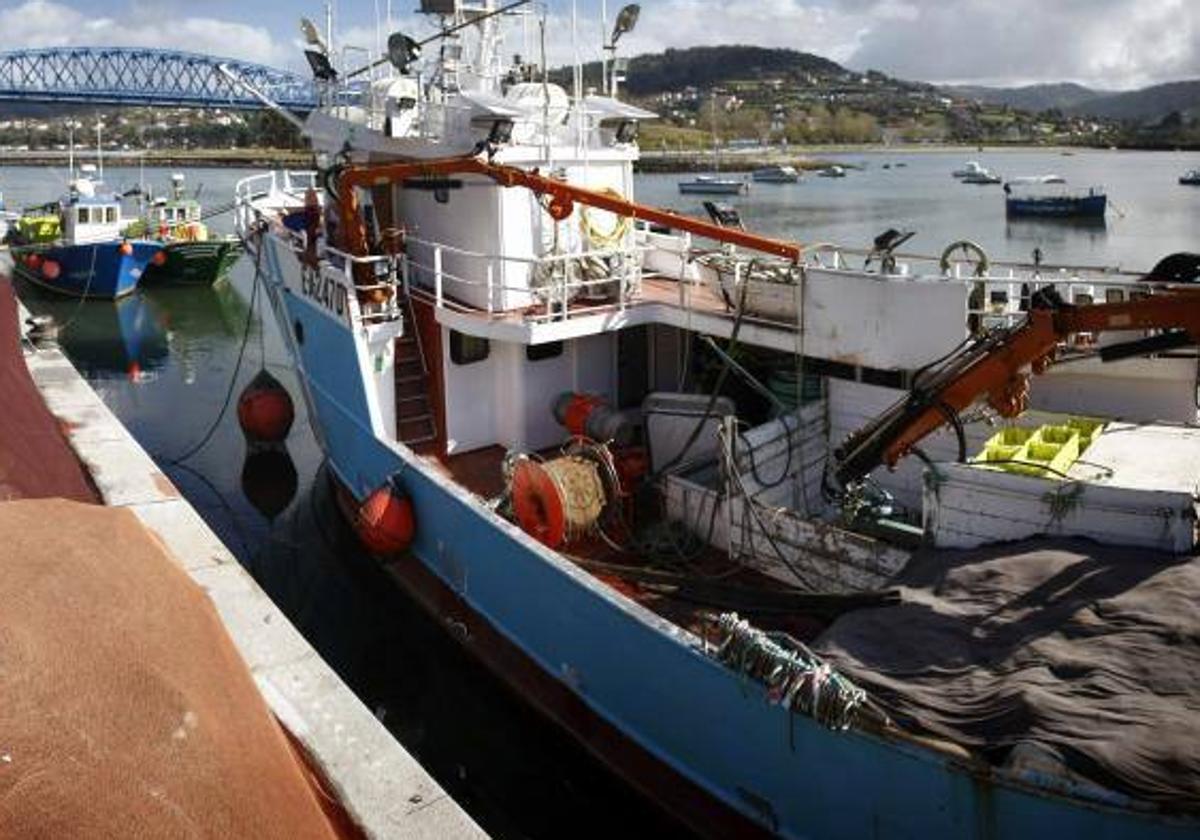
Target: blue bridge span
{"x": 137, "y": 76}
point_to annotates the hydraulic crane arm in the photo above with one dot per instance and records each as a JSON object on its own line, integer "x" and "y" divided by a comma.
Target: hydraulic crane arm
{"x": 993, "y": 367}
{"x": 561, "y": 200}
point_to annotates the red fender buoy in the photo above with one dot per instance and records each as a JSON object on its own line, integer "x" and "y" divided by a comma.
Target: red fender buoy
{"x": 159, "y": 257}
{"x": 385, "y": 522}
{"x": 51, "y": 269}
{"x": 34, "y": 261}
{"x": 265, "y": 410}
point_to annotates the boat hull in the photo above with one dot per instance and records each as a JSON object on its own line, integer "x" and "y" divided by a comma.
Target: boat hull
{"x": 732, "y": 188}
{"x": 642, "y": 694}
{"x": 1061, "y": 207}
{"x": 102, "y": 270}
{"x": 196, "y": 263}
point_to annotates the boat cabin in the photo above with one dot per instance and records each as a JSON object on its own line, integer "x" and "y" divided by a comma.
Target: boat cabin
{"x": 88, "y": 217}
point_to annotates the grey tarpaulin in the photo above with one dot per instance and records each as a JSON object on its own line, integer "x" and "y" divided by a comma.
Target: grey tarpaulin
{"x": 1084, "y": 655}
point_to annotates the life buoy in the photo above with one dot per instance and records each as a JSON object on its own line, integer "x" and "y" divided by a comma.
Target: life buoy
{"x": 982, "y": 264}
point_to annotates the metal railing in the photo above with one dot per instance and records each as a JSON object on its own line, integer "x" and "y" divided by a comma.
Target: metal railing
{"x": 251, "y": 193}
{"x": 556, "y": 290}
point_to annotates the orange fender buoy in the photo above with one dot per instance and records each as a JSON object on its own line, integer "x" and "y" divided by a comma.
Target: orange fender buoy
{"x": 385, "y": 522}
{"x": 538, "y": 504}
{"x": 159, "y": 257}
{"x": 126, "y": 248}
{"x": 51, "y": 269}
{"x": 265, "y": 410}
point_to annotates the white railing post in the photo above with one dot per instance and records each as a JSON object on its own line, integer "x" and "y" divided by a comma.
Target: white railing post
{"x": 490, "y": 282}
{"x": 437, "y": 274}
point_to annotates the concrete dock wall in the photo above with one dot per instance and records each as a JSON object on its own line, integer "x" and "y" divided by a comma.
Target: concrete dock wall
{"x": 381, "y": 786}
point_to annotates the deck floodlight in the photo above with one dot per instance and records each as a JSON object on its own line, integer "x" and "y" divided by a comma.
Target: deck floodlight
{"x": 311, "y": 35}
{"x": 402, "y": 51}
{"x": 501, "y": 132}
{"x": 626, "y": 20}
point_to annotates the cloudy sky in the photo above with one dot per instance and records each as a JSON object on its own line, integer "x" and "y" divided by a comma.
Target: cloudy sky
{"x": 1105, "y": 43}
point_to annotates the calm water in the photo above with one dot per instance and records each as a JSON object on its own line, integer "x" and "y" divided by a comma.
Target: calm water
{"x": 164, "y": 360}
{"x": 1151, "y": 214}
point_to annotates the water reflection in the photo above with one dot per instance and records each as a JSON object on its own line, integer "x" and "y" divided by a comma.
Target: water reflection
{"x": 125, "y": 337}
{"x": 269, "y": 479}
{"x": 1063, "y": 236}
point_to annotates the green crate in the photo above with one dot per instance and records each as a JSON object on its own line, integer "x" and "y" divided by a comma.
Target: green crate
{"x": 1088, "y": 427}
{"x": 1012, "y": 436}
{"x": 1047, "y": 459}
{"x": 993, "y": 452}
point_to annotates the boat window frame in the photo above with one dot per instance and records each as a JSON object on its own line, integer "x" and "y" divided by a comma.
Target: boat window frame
{"x": 110, "y": 215}
{"x": 468, "y": 349}
{"x": 545, "y": 351}
{"x": 83, "y": 215}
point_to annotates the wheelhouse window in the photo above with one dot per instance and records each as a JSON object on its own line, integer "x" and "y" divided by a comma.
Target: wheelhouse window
{"x": 110, "y": 215}
{"x": 468, "y": 349}
{"x": 83, "y": 215}
{"x": 538, "y": 352}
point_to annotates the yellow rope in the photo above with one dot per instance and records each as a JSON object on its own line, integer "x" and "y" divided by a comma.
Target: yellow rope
{"x": 582, "y": 490}
{"x": 601, "y": 239}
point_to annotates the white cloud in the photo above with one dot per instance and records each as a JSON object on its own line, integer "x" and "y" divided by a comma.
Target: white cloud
{"x": 1110, "y": 43}
{"x": 1105, "y": 43}
{"x": 43, "y": 23}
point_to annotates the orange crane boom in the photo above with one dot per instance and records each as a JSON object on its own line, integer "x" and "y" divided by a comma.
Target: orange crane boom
{"x": 994, "y": 365}
{"x": 562, "y": 200}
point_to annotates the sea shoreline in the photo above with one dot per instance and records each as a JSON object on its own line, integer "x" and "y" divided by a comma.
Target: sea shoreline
{"x": 691, "y": 160}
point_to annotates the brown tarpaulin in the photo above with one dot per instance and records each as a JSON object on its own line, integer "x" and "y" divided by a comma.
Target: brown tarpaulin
{"x": 1083, "y": 655}
{"x": 35, "y": 460}
{"x": 125, "y": 710}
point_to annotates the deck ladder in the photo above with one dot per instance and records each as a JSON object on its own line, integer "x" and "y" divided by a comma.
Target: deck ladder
{"x": 415, "y": 421}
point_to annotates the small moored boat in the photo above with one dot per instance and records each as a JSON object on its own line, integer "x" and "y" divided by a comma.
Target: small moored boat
{"x": 1061, "y": 204}
{"x": 90, "y": 257}
{"x": 712, "y": 185}
{"x": 776, "y": 175}
{"x": 1190, "y": 178}
{"x": 982, "y": 176}
{"x": 833, "y": 171}
{"x": 193, "y": 255}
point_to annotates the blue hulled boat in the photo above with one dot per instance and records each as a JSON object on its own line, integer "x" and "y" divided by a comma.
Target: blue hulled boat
{"x": 90, "y": 258}
{"x": 521, "y": 422}
{"x": 1091, "y": 204}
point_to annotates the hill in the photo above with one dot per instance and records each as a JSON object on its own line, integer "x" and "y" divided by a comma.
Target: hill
{"x": 1146, "y": 105}
{"x": 1045, "y": 97}
{"x": 1149, "y": 104}
{"x": 705, "y": 67}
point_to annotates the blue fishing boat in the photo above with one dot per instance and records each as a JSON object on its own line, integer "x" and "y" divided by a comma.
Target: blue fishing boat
{"x": 1060, "y": 204}
{"x": 737, "y": 605}
{"x": 89, "y": 258}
